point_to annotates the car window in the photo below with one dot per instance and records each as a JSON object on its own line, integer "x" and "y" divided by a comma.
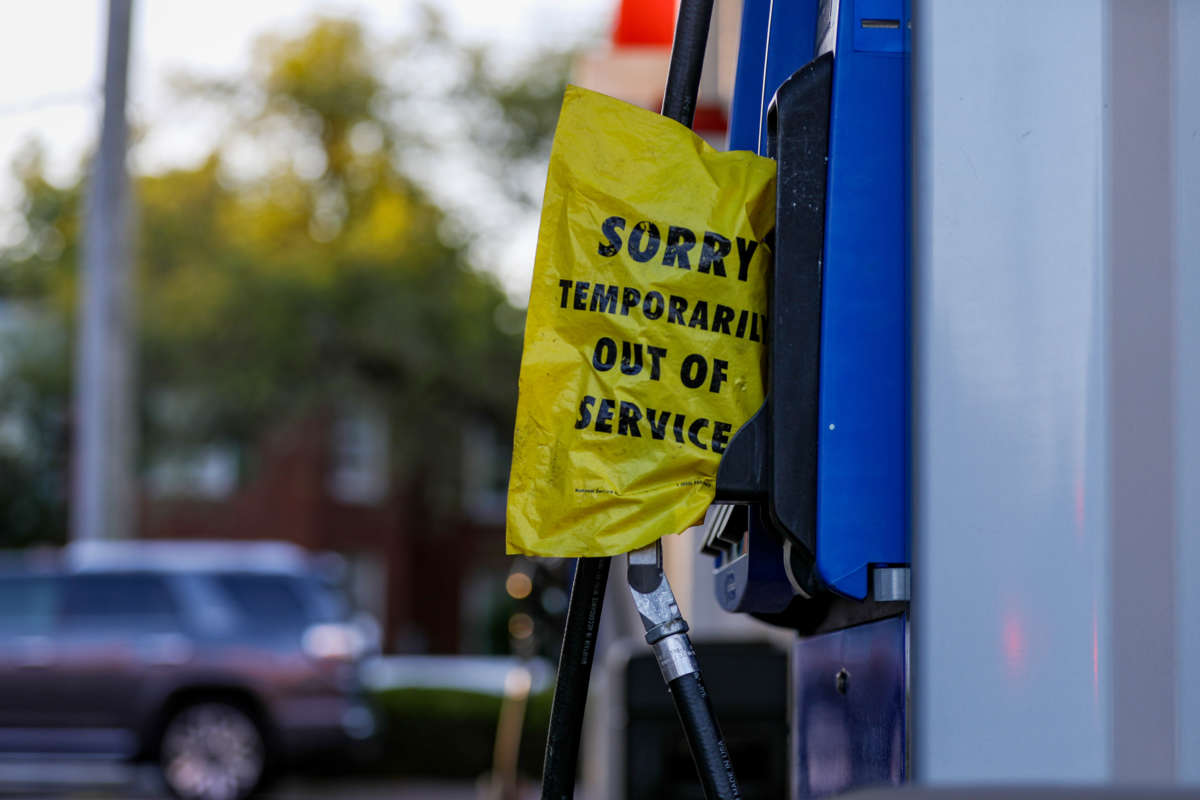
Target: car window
{"x": 27, "y": 604}
{"x": 327, "y": 603}
{"x": 265, "y": 603}
{"x": 124, "y": 601}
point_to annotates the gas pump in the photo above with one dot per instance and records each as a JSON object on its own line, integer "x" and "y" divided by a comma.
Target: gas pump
{"x": 810, "y": 525}
{"x": 819, "y": 478}
{"x": 1055, "y": 394}
{"x": 811, "y": 530}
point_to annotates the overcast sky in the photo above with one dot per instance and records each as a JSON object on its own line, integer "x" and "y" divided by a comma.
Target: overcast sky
{"x": 51, "y": 54}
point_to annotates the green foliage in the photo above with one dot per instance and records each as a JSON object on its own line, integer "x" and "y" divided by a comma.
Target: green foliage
{"x": 510, "y": 109}
{"x": 417, "y": 724}
{"x": 311, "y": 275}
{"x": 31, "y": 509}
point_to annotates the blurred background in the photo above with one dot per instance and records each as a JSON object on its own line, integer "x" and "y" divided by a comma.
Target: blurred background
{"x": 260, "y": 464}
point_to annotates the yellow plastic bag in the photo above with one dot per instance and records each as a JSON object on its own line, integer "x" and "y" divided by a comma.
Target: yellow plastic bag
{"x": 644, "y": 341}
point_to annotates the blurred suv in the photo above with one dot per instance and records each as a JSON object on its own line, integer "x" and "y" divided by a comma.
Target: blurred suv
{"x": 222, "y": 661}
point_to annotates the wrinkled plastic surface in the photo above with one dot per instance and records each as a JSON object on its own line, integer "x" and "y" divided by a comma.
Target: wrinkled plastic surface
{"x": 643, "y": 354}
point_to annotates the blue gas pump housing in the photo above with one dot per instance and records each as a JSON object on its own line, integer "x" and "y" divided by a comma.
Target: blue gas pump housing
{"x": 821, "y": 473}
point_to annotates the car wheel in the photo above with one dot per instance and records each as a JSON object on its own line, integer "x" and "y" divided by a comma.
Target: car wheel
{"x": 212, "y": 751}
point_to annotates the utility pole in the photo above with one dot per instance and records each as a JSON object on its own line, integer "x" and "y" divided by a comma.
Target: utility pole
{"x": 102, "y": 489}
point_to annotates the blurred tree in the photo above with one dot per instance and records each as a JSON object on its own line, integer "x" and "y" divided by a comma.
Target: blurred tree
{"x": 299, "y": 268}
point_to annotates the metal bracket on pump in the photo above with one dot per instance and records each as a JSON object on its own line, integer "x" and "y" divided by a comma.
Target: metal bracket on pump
{"x": 666, "y": 633}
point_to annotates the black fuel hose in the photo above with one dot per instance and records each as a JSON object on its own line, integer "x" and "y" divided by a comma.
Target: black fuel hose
{"x": 591, "y": 574}
{"x": 691, "y": 698}
{"x": 704, "y": 737}
{"x": 574, "y": 673}
{"x": 687, "y": 59}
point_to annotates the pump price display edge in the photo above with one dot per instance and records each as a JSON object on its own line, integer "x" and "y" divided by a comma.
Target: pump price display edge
{"x": 645, "y": 335}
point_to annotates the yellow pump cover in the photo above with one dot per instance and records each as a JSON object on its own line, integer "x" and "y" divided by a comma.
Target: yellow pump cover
{"x": 645, "y": 336}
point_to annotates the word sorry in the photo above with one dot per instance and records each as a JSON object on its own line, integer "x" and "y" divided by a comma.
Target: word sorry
{"x": 645, "y": 241}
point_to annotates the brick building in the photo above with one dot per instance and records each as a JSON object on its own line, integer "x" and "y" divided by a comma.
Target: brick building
{"x": 323, "y": 484}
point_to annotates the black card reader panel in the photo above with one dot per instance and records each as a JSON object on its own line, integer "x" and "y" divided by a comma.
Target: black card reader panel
{"x": 773, "y": 458}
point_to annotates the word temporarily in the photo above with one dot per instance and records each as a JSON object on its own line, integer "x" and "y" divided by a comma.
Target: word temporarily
{"x": 608, "y": 299}
{"x": 629, "y": 416}
{"x": 645, "y": 240}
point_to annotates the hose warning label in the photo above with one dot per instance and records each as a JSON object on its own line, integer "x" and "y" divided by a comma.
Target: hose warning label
{"x": 646, "y": 331}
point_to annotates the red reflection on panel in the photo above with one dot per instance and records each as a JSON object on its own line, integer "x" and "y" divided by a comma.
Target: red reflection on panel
{"x": 1015, "y": 642}
{"x": 1080, "y": 507}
